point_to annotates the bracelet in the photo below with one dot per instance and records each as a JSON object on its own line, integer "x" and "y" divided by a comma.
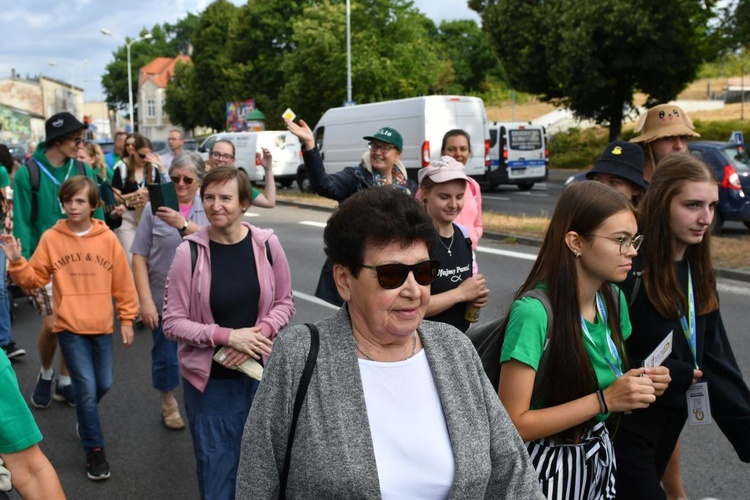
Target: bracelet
{"x": 602, "y": 403}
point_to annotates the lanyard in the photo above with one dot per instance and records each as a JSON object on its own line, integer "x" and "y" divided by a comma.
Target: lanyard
{"x": 688, "y": 328}
{"x": 52, "y": 177}
{"x": 616, "y": 367}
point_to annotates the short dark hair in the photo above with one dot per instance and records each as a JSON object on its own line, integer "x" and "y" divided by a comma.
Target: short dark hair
{"x": 377, "y": 216}
{"x": 76, "y": 184}
{"x": 220, "y": 175}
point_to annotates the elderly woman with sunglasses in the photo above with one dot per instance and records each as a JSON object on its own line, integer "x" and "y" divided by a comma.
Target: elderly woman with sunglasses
{"x": 154, "y": 246}
{"x": 396, "y": 407}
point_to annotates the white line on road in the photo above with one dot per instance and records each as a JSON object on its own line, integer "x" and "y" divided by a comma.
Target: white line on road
{"x": 312, "y": 223}
{"x": 501, "y": 198}
{"x": 252, "y": 214}
{"x": 314, "y": 300}
{"x": 739, "y": 290}
{"x": 507, "y": 253}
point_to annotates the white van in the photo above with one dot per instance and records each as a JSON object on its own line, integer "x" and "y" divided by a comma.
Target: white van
{"x": 284, "y": 147}
{"x": 518, "y": 154}
{"x": 421, "y": 121}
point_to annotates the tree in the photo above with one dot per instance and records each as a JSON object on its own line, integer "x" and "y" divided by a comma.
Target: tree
{"x": 210, "y": 82}
{"x": 593, "y": 56}
{"x": 181, "y": 104}
{"x": 470, "y": 53}
{"x": 392, "y": 56}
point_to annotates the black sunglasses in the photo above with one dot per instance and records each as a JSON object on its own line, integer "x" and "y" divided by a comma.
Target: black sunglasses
{"x": 176, "y": 179}
{"x": 392, "y": 276}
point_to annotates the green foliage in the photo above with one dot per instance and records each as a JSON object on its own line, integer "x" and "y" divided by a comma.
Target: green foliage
{"x": 593, "y": 56}
{"x": 181, "y": 104}
{"x": 577, "y": 148}
{"x": 469, "y": 50}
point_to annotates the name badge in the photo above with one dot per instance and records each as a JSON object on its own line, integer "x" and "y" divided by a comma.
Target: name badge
{"x": 699, "y": 408}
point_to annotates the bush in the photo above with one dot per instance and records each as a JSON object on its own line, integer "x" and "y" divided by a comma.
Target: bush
{"x": 577, "y": 148}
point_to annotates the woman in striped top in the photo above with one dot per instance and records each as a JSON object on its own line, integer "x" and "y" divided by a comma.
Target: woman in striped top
{"x": 580, "y": 362}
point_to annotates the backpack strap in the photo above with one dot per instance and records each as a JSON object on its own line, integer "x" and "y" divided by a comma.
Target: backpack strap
{"x": 304, "y": 382}
{"x": 268, "y": 254}
{"x": 193, "y": 255}
{"x": 541, "y": 295}
{"x": 636, "y": 288}
{"x": 80, "y": 167}
{"x": 33, "y": 168}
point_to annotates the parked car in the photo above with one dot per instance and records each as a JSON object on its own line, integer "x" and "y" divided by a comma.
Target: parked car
{"x": 731, "y": 165}
{"x": 518, "y": 154}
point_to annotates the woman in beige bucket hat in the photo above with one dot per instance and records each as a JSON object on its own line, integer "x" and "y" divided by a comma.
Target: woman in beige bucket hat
{"x": 662, "y": 130}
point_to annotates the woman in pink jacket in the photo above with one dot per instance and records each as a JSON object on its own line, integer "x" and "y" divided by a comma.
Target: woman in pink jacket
{"x": 229, "y": 286}
{"x": 457, "y": 145}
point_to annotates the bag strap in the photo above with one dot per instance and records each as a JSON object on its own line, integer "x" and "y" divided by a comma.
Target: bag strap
{"x": 33, "y": 168}
{"x": 304, "y": 382}
{"x": 541, "y": 295}
{"x": 193, "y": 255}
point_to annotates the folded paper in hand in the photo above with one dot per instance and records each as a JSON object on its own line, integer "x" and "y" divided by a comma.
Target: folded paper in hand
{"x": 251, "y": 367}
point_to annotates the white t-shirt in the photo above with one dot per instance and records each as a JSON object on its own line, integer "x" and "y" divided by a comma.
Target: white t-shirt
{"x": 412, "y": 447}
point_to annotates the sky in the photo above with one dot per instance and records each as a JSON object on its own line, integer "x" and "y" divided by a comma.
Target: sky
{"x": 62, "y": 39}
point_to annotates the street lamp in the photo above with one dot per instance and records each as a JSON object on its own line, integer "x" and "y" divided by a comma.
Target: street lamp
{"x": 147, "y": 36}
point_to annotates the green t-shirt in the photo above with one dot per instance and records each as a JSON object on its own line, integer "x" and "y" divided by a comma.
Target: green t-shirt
{"x": 527, "y": 331}
{"x": 254, "y": 193}
{"x": 18, "y": 430}
{"x": 4, "y": 177}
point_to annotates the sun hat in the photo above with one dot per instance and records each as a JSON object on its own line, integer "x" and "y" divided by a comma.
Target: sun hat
{"x": 443, "y": 170}
{"x": 622, "y": 159}
{"x": 60, "y": 125}
{"x": 387, "y": 135}
{"x": 664, "y": 120}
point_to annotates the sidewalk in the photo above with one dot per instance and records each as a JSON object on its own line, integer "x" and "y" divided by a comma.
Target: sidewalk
{"x": 721, "y": 272}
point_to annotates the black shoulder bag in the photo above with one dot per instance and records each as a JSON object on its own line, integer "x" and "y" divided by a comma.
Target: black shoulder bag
{"x": 304, "y": 382}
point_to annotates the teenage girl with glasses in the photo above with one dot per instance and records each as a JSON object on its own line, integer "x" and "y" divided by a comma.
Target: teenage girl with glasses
{"x": 583, "y": 369}
{"x": 672, "y": 290}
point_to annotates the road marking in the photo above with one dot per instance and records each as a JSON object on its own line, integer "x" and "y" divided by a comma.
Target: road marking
{"x": 501, "y": 198}
{"x": 251, "y": 214}
{"x": 739, "y": 290}
{"x": 312, "y": 223}
{"x": 507, "y": 253}
{"x": 314, "y": 300}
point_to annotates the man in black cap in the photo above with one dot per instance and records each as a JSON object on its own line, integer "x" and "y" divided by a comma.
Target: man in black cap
{"x": 36, "y": 208}
{"x": 620, "y": 166}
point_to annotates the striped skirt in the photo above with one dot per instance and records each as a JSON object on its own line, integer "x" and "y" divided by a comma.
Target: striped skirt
{"x": 583, "y": 471}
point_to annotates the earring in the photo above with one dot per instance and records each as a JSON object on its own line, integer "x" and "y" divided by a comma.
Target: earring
{"x": 577, "y": 253}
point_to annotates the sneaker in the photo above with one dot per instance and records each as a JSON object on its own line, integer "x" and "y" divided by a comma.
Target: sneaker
{"x": 97, "y": 468}
{"x": 42, "y": 394}
{"x": 13, "y": 351}
{"x": 64, "y": 394}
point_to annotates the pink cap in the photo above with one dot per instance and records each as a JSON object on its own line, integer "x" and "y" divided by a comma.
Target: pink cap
{"x": 443, "y": 170}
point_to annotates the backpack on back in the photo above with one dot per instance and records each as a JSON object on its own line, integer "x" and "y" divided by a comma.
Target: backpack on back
{"x": 488, "y": 340}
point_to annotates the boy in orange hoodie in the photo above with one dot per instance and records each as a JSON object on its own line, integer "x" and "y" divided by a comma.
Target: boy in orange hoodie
{"x": 90, "y": 267}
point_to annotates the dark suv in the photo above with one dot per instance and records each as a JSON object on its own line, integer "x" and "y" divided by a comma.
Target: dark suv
{"x": 731, "y": 165}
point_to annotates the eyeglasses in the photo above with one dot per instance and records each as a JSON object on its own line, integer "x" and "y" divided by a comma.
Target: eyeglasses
{"x": 392, "y": 276}
{"x": 382, "y": 147}
{"x": 176, "y": 179}
{"x": 625, "y": 242}
{"x": 221, "y": 156}
{"x": 77, "y": 140}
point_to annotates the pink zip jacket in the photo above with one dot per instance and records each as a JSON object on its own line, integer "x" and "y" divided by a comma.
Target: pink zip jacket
{"x": 187, "y": 313}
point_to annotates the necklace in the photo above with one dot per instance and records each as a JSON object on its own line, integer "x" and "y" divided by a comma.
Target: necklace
{"x": 413, "y": 349}
{"x": 448, "y": 247}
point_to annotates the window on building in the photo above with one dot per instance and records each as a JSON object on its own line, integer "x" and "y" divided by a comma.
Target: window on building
{"x": 151, "y": 112}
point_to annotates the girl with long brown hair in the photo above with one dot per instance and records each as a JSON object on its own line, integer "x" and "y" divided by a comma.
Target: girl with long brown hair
{"x": 672, "y": 290}
{"x": 584, "y": 375}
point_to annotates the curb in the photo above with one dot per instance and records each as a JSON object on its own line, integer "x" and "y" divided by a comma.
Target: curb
{"x": 721, "y": 272}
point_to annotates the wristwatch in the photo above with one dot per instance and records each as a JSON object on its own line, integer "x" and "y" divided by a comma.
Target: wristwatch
{"x": 185, "y": 226}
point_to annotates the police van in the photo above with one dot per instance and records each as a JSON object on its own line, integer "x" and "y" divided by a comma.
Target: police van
{"x": 518, "y": 154}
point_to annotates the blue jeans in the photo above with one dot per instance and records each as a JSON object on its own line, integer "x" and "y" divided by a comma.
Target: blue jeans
{"x": 216, "y": 418}
{"x": 89, "y": 360}
{"x": 5, "y": 337}
{"x": 165, "y": 369}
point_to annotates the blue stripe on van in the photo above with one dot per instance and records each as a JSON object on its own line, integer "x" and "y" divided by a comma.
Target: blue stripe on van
{"x": 527, "y": 163}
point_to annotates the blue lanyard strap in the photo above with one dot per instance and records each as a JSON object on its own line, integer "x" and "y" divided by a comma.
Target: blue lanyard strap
{"x": 616, "y": 367}
{"x": 688, "y": 328}
{"x": 52, "y": 177}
